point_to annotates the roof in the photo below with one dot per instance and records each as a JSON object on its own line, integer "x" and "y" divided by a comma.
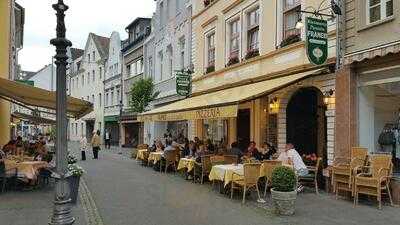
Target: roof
{"x": 76, "y": 53}
{"x": 136, "y": 21}
{"x": 28, "y": 74}
{"x": 102, "y": 44}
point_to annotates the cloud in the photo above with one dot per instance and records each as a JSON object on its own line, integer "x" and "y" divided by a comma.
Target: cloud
{"x": 98, "y": 16}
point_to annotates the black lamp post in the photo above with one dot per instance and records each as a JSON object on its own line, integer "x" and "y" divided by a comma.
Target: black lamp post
{"x": 62, "y": 208}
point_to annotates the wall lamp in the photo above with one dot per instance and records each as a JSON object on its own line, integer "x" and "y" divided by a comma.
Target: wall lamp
{"x": 334, "y": 10}
{"x": 328, "y": 96}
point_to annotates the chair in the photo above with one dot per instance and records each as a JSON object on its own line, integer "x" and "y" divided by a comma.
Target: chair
{"x": 145, "y": 159}
{"x": 312, "y": 176}
{"x": 248, "y": 180}
{"x": 170, "y": 159}
{"x": 269, "y": 166}
{"x": 230, "y": 159}
{"x": 343, "y": 173}
{"x": 376, "y": 181}
{"x": 6, "y": 175}
{"x": 202, "y": 169}
{"x": 217, "y": 160}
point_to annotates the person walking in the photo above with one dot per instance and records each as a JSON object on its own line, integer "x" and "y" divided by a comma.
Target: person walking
{"x": 108, "y": 139}
{"x": 83, "y": 145}
{"x": 96, "y": 144}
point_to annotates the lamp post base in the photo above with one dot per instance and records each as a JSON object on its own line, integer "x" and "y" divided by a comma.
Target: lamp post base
{"x": 62, "y": 213}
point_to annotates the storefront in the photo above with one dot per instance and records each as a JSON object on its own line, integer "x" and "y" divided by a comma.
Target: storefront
{"x": 131, "y": 130}
{"x": 111, "y": 124}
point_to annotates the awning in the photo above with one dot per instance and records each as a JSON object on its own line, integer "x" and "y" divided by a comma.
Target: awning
{"x": 220, "y": 104}
{"x": 33, "y": 119}
{"x": 111, "y": 119}
{"x": 33, "y": 96}
{"x": 379, "y": 51}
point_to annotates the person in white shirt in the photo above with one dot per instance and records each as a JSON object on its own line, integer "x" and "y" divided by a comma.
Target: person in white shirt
{"x": 83, "y": 145}
{"x": 292, "y": 157}
{"x": 108, "y": 139}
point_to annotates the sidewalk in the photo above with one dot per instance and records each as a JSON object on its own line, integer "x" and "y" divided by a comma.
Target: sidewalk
{"x": 32, "y": 208}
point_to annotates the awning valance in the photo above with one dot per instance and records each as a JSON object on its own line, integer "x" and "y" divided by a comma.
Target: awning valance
{"x": 219, "y": 104}
{"x": 33, "y": 96}
{"x": 33, "y": 119}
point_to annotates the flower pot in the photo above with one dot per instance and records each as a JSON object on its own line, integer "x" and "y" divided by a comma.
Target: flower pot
{"x": 73, "y": 182}
{"x": 284, "y": 202}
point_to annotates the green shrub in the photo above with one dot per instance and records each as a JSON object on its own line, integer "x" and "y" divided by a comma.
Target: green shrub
{"x": 283, "y": 179}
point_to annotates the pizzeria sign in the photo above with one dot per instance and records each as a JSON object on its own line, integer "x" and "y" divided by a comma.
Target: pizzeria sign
{"x": 317, "y": 40}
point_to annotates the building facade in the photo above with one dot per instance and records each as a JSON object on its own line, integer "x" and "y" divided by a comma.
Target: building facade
{"x": 87, "y": 84}
{"x": 253, "y": 81}
{"x": 133, "y": 67}
{"x": 12, "y": 18}
{"x": 113, "y": 89}
{"x": 168, "y": 50}
{"x": 369, "y": 82}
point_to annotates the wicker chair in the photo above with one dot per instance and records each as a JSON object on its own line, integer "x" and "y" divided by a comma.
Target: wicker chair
{"x": 269, "y": 166}
{"x": 230, "y": 159}
{"x": 312, "y": 177}
{"x": 202, "y": 169}
{"x": 217, "y": 160}
{"x": 343, "y": 173}
{"x": 248, "y": 180}
{"x": 145, "y": 160}
{"x": 377, "y": 180}
{"x": 170, "y": 159}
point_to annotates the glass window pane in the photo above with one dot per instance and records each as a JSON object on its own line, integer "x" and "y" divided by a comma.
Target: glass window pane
{"x": 389, "y": 8}
{"x": 374, "y": 2}
{"x": 374, "y": 14}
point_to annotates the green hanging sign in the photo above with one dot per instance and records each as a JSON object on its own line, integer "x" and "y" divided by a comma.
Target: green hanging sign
{"x": 317, "y": 40}
{"x": 183, "y": 83}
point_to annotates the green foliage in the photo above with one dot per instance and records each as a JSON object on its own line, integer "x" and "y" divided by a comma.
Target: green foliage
{"x": 283, "y": 179}
{"x": 142, "y": 93}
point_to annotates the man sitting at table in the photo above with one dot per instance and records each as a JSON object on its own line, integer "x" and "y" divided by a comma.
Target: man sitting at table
{"x": 292, "y": 157}
{"x": 235, "y": 150}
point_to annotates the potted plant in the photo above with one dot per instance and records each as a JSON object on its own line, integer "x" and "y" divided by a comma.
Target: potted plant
{"x": 210, "y": 69}
{"x": 74, "y": 175}
{"x": 290, "y": 40}
{"x": 252, "y": 53}
{"x": 283, "y": 190}
{"x": 71, "y": 158}
{"x": 206, "y": 2}
{"x": 233, "y": 59}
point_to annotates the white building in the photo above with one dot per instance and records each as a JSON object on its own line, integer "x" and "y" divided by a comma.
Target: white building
{"x": 87, "y": 84}
{"x": 113, "y": 89}
{"x": 167, "y": 50}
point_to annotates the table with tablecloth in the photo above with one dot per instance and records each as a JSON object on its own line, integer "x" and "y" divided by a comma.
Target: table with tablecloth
{"x": 28, "y": 169}
{"x": 186, "y": 163}
{"x": 140, "y": 154}
{"x": 155, "y": 157}
{"x": 225, "y": 172}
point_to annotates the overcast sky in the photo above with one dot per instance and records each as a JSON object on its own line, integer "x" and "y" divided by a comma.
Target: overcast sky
{"x": 84, "y": 16}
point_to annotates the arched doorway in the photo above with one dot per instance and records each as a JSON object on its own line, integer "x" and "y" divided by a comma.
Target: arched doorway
{"x": 306, "y": 122}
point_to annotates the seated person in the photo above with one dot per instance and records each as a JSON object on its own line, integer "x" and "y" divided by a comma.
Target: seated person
{"x": 235, "y": 150}
{"x": 291, "y": 156}
{"x": 192, "y": 149}
{"x": 266, "y": 152}
{"x": 19, "y": 146}
{"x": 201, "y": 151}
{"x": 171, "y": 146}
{"x": 209, "y": 146}
{"x": 153, "y": 147}
{"x": 252, "y": 150}
{"x": 10, "y": 147}
{"x": 159, "y": 146}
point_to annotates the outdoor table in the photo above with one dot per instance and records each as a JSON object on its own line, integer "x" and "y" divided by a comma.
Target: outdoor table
{"x": 28, "y": 170}
{"x": 225, "y": 172}
{"x": 186, "y": 163}
{"x": 155, "y": 156}
{"x": 140, "y": 154}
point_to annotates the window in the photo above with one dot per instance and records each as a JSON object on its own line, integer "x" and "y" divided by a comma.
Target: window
{"x": 253, "y": 25}
{"x": 128, "y": 70}
{"x": 170, "y": 60}
{"x": 93, "y": 76}
{"x": 83, "y": 80}
{"x": 161, "y": 62}
{"x": 182, "y": 53}
{"x": 106, "y": 100}
{"x": 379, "y": 10}
{"x": 234, "y": 38}
{"x": 82, "y": 128}
{"x": 291, "y": 14}
{"x": 211, "y": 49}
{"x": 100, "y": 99}
{"x": 88, "y": 78}
{"x": 88, "y": 57}
{"x": 141, "y": 66}
{"x": 112, "y": 98}
{"x": 100, "y": 72}
{"x": 167, "y": 8}
{"x": 150, "y": 69}
{"x": 93, "y": 99}
{"x": 94, "y": 56}
{"x": 118, "y": 95}
{"x": 162, "y": 19}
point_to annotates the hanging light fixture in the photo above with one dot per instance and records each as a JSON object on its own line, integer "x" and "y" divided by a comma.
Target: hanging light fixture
{"x": 328, "y": 96}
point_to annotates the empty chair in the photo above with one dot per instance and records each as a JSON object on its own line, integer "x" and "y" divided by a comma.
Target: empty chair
{"x": 249, "y": 179}
{"x": 170, "y": 159}
{"x": 269, "y": 166}
{"x": 312, "y": 176}
{"x": 202, "y": 169}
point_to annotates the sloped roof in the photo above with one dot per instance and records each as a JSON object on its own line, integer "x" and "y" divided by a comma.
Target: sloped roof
{"x": 76, "y": 53}
{"x": 102, "y": 44}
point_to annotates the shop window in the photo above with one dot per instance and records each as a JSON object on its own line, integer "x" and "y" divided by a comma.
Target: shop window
{"x": 379, "y": 9}
{"x": 216, "y": 130}
{"x": 379, "y": 119}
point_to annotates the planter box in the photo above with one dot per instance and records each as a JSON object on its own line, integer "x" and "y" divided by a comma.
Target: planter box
{"x": 73, "y": 182}
{"x": 395, "y": 189}
{"x": 284, "y": 202}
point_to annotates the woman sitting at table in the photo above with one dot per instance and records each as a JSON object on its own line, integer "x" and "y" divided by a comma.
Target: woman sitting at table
{"x": 192, "y": 149}
{"x": 159, "y": 146}
{"x": 10, "y": 147}
{"x": 19, "y": 144}
{"x": 41, "y": 151}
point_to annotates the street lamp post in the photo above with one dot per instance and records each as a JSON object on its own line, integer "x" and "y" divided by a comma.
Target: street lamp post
{"x": 62, "y": 208}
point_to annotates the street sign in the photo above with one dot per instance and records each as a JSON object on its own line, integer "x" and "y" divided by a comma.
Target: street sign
{"x": 183, "y": 83}
{"x": 317, "y": 40}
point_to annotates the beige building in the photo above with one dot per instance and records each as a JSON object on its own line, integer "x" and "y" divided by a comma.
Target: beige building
{"x": 369, "y": 84}
{"x": 253, "y": 80}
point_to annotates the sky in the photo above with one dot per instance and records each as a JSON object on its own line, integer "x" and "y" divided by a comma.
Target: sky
{"x": 101, "y": 17}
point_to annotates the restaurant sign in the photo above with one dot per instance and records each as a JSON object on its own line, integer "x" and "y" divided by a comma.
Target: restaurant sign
{"x": 183, "y": 83}
{"x": 207, "y": 113}
{"x": 317, "y": 40}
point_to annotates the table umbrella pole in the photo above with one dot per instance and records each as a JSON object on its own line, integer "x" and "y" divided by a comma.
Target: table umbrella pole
{"x": 62, "y": 207}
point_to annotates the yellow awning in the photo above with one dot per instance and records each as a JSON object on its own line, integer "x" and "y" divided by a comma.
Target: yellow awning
{"x": 33, "y": 119}
{"x": 219, "y": 104}
{"x": 33, "y": 96}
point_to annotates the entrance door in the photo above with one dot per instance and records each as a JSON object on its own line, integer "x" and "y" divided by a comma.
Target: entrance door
{"x": 305, "y": 117}
{"x": 243, "y": 128}
{"x": 89, "y": 130}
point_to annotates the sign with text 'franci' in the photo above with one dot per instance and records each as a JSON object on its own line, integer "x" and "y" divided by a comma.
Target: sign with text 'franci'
{"x": 183, "y": 83}
{"x": 317, "y": 40}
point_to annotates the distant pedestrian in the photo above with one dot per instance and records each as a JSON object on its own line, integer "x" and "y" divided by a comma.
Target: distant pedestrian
{"x": 83, "y": 145}
{"x": 96, "y": 144}
{"x": 108, "y": 139}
